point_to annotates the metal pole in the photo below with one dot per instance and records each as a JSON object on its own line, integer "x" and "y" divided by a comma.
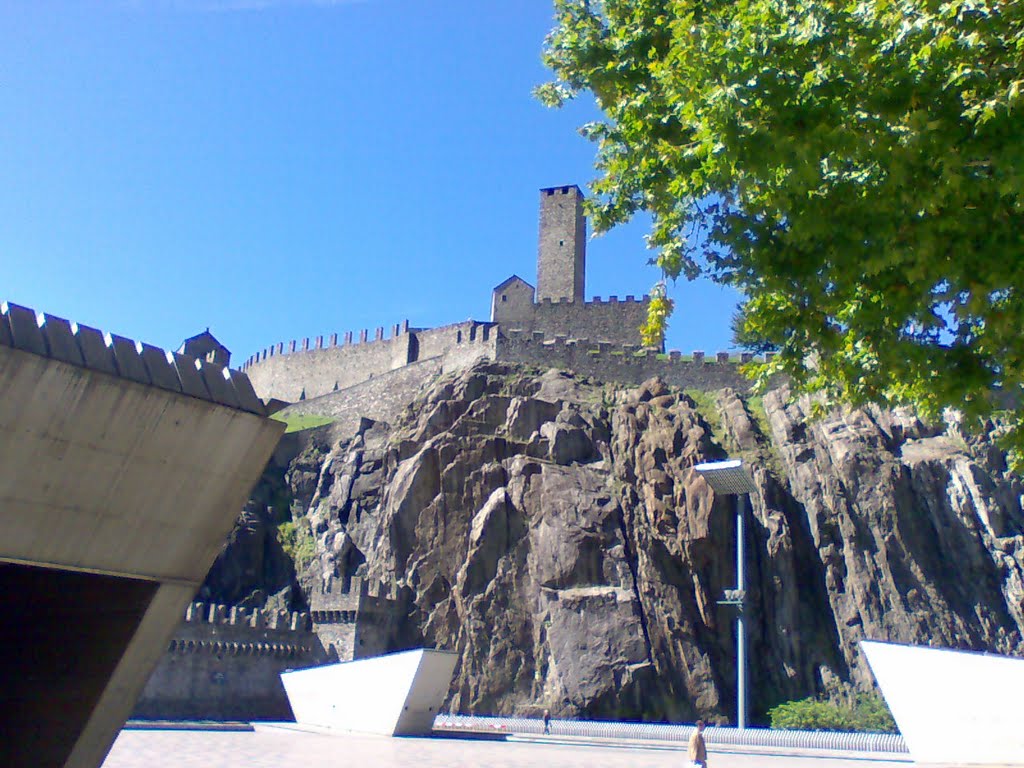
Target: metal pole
{"x": 741, "y": 646}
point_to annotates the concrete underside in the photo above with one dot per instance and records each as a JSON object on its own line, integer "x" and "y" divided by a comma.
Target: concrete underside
{"x": 115, "y": 498}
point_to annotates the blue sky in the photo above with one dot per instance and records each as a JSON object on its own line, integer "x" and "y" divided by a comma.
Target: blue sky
{"x": 276, "y": 169}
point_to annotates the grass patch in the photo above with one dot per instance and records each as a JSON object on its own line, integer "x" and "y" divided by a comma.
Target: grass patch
{"x": 297, "y": 542}
{"x": 707, "y": 407}
{"x": 300, "y": 421}
{"x": 755, "y": 405}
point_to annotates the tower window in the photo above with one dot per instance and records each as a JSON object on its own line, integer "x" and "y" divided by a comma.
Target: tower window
{"x": 504, "y": 297}
{"x": 561, "y": 242}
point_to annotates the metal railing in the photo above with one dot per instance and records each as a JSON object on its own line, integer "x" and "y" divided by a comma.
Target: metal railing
{"x": 716, "y": 735}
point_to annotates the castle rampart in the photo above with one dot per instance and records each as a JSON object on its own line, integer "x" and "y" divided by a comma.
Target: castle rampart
{"x": 459, "y": 345}
{"x": 381, "y": 398}
{"x": 551, "y": 326}
{"x": 626, "y": 364}
{"x": 352, "y": 619}
{"x": 297, "y": 371}
{"x": 225, "y": 664}
{"x": 611, "y": 320}
{"x": 312, "y": 372}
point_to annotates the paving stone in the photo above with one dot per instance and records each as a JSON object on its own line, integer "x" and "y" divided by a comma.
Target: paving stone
{"x": 274, "y": 747}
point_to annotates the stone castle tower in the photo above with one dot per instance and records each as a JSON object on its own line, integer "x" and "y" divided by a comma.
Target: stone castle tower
{"x": 558, "y": 308}
{"x": 562, "y": 248}
{"x": 543, "y": 325}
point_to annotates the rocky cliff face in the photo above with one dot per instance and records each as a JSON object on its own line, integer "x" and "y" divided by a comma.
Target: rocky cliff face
{"x": 553, "y": 533}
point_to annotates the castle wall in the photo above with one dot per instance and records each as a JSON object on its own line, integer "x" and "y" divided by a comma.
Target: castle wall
{"x": 611, "y": 320}
{"x": 304, "y": 370}
{"x": 625, "y": 364}
{"x": 459, "y": 345}
{"x": 225, "y": 664}
{"x": 307, "y": 374}
{"x": 382, "y": 398}
{"x": 354, "y": 620}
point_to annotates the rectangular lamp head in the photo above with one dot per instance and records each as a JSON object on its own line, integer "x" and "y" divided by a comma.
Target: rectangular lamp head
{"x": 727, "y": 477}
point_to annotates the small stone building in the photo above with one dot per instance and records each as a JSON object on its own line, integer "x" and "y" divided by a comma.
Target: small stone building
{"x": 205, "y": 346}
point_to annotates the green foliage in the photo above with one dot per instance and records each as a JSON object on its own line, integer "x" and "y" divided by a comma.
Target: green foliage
{"x": 299, "y": 422}
{"x": 707, "y": 407}
{"x": 856, "y": 169}
{"x": 652, "y": 332}
{"x": 866, "y": 713}
{"x": 297, "y": 542}
{"x": 747, "y": 338}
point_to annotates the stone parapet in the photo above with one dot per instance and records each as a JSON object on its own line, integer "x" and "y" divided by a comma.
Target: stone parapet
{"x": 225, "y": 663}
{"x": 623, "y": 363}
{"x": 296, "y": 346}
{"x": 305, "y": 373}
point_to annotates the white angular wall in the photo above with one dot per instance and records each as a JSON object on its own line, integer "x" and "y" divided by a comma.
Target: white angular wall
{"x": 398, "y": 694}
{"x": 953, "y": 707}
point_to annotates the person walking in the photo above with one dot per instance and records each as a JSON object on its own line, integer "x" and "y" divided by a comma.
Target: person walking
{"x": 547, "y": 722}
{"x": 698, "y": 749}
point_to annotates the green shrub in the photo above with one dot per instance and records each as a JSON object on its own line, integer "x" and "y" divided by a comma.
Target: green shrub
{"x": 873, "y": 714}
{"x": 866, "y": 713}
{"x": 297, "y": 542}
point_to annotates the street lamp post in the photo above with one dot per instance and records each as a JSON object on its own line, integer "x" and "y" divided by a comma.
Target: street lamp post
{"x": 731, "y": 479}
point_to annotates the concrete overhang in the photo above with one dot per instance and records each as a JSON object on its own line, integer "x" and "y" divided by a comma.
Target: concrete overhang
{"x": 122, "y": 470}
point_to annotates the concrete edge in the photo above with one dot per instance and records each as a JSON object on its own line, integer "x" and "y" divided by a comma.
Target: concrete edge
{"x": 84, "y": 347}
{"x": 187, "y": 725}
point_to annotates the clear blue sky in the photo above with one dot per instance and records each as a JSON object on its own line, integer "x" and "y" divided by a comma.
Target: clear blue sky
{"x": 282, "y": 169}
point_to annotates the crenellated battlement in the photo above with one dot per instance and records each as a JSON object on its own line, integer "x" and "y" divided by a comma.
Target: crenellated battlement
{"x": 352, "y": 595}
{"x": 305, "y": 372}
{"x": 624, "y": 363}
{"x": 225, "y": 663}
{"x": 353, "y": 617}
{"x": 312, "y": 344}
{"x": 629, "y": 352}
{"x": 629, "y": 299}
{"x": 220, "y": 630}
{"x": 209, "y": 613}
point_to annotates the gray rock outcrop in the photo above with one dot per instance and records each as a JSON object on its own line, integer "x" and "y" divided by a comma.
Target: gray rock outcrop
{"x": 552, "y": 531}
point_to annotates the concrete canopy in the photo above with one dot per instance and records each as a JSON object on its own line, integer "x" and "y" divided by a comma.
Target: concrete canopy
{"x": 122, "y": 470}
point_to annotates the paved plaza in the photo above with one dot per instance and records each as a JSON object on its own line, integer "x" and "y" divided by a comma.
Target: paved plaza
{"x": 276, "y": 747}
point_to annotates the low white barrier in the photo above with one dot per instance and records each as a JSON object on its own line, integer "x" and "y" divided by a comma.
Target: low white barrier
{"x": 760, "y": 737}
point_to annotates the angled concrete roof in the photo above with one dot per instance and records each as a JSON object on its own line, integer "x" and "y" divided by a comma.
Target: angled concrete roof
{"x": 85, "y": 347}
{"x": 122, "y": 470}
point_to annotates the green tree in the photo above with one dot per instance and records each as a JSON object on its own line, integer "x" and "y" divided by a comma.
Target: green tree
{"x": 855, "y": 168}
{"x": 747, "y": 339}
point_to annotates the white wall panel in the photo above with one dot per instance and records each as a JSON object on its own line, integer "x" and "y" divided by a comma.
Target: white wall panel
{"x": 953, "y": 707}
{"x": 398, "y": 694}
